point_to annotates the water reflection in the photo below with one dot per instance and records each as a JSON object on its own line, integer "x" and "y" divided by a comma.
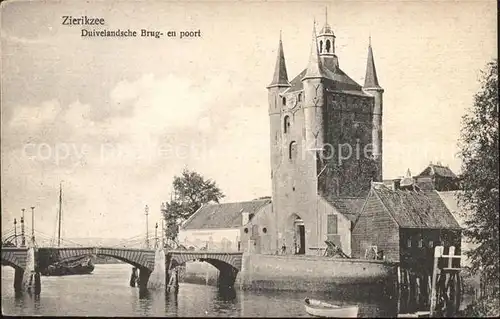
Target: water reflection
{"x": 171, "y": 303}
{"x": 226, "y": 294}
{"x": 27, "y": 302}
{"x": 107, "y": 293}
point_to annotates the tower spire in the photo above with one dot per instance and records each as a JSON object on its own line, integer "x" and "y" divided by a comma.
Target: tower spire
{"x": 371, "y": 80}
{"x": 314, "y": 68}
{"x": 280, "y": 77}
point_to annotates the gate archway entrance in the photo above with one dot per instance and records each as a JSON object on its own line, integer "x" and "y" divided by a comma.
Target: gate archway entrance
{"x": 298, "y": 232}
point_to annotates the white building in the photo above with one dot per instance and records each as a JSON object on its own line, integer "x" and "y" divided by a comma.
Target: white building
{"x": 218, "y": 226}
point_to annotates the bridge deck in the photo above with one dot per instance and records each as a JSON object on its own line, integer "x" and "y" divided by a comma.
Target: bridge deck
{"x": 136, "y": 256}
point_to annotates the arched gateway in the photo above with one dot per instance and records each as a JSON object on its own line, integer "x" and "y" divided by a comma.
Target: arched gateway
{"x": 297, "y": 234}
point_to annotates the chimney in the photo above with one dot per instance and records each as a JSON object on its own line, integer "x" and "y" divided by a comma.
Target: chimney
{"x": 245, "y": 218}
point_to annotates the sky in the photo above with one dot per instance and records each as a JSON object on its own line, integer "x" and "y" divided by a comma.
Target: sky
{"x": 115, "y": 119}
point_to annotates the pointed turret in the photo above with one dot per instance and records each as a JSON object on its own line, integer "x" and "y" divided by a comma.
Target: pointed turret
{"x": 314, "y": 68}
{"x": 373, "y": 88}
{"x": 371, "y": 80}
{"x": 326, "y": 46}
{"x": 326, "y": 28}
{"x": 280, "y": 77}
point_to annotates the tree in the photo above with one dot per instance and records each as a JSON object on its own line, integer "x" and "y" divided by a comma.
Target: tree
{"x": 191, "y": 191}
{"x": 480, "y": 166}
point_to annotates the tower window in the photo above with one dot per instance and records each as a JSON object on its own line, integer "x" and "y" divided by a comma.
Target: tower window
{"x": 320, "y": 46}
{"x": 293, "y": 150}
{"x": 299, "y": 97}
{"x": 284, "y": 100}
{"x": 328, "y": 45}
{"x": 286, "y": 124}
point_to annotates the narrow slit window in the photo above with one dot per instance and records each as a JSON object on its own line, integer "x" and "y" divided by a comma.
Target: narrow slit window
{"x": 293, "y": 150}
{"x": 286, "y": 124}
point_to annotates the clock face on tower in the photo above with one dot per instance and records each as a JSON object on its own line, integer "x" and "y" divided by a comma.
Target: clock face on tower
{"x": 292, "y": 101}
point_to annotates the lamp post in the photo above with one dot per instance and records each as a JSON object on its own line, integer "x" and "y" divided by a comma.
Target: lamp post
{"x": 23, "y": 238}
{"x": 33, "y": 225}
{"x": 156, "y": 236}
{"x": 146, "y": 209}
{"x": 15, "y": 232}
{"x": 163, "y": 232}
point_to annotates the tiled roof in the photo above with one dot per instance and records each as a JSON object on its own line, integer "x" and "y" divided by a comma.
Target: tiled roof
{"x": 227, "y": 215}
{"x": 350, "y": 207}
{"x": 338, "y": 81}
{"x": 416, "y": 209}
{"x": 450, "y": 199}
{"x": 425, "y": 183}
{"x": 440, "y": 170}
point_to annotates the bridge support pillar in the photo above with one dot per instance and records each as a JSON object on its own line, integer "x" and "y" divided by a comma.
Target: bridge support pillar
{"x": 38, "y": 283}
{"x": 34, "y": 286}
{"x": 18, "y": 280}
{"x": 227, "y": 276}
{"x": 144, "y": 274}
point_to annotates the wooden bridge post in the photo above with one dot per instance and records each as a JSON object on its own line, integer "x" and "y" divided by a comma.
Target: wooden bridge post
{"x": 171, "y": 274}
{"x": 133, "y": 277}
{"x": 447, "y": 288}
{"x": 438, "y": 252}
{"x": 36, "y": 275}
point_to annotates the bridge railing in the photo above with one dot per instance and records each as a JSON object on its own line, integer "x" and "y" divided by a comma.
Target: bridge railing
{"x": 228, "y": 246}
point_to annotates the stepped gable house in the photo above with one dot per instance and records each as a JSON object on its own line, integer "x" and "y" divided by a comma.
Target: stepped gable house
{"x": 314, "y": 196}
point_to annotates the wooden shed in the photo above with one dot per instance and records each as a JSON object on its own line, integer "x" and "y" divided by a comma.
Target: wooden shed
{"x": 404, "y": 225}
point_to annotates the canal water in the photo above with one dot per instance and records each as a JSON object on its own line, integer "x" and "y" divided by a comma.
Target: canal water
{"x": 106, "y": 292}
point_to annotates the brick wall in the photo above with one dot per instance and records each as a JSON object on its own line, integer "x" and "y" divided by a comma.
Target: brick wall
{"x": 348, "y": 122}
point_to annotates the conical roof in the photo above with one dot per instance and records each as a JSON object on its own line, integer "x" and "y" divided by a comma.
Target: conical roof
{"x": 280, "y": 77}
{"x": 371, "y": 80}
{"x": 314, "y": 68}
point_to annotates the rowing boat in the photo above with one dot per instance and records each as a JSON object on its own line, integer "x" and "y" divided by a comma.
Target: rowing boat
{"x": 323, "y": 309}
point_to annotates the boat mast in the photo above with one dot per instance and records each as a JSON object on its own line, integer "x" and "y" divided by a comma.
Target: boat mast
{"x": 60, "y": 210}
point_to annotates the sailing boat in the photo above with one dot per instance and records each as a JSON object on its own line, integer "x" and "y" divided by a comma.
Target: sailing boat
{"x": 81, "y": 265}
